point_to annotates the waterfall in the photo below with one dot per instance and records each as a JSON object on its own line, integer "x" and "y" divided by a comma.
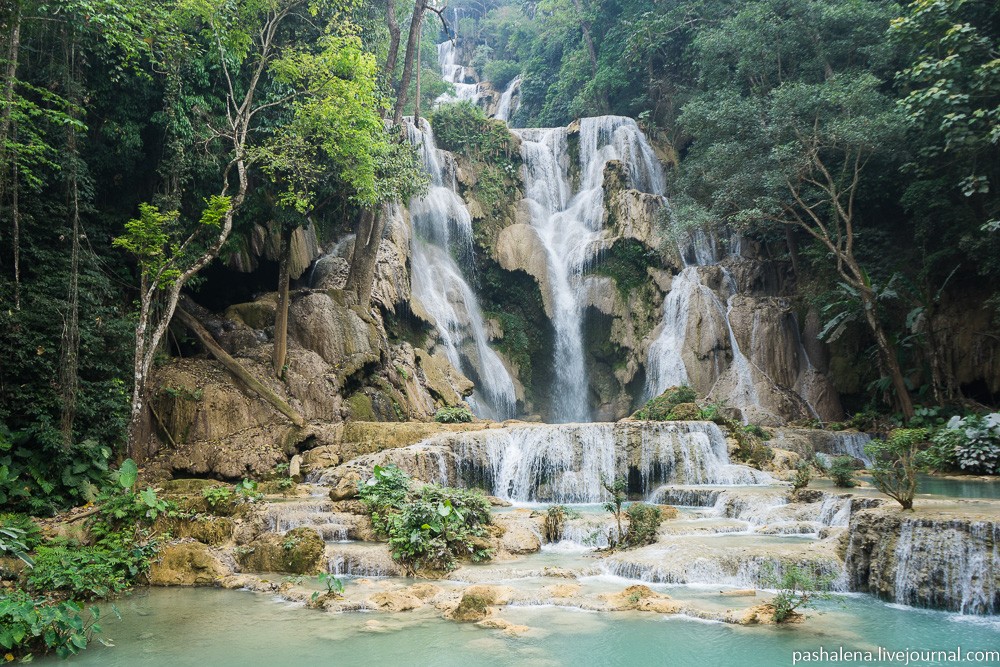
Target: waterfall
{"x": 569, "y": 222}
{"x": 442, "y": 226}
{"x": 504, "y": 111}
{"x": 462, "y": 77}
{"x": 568, "y": 463}
{"x": 949, "y": 564}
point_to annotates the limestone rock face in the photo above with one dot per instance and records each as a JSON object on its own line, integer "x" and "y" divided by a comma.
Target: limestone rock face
{"x": 299, "y": 551}
{"x": 392, "y": 278}
{"x": 344, "y": 336}
{"x": 518, "y": 248}
{"x": 188, "y": 564}
{"x": 214, "y": 426}
{"x": 943, "y": 559}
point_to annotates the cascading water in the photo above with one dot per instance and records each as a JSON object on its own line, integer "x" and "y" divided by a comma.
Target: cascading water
{"x": 504, "y": 110}
{"x": 462, "y": 77}
{"x": 569, "y": 221}
{"x": 442, "y": 225}
{"x": 569, "y": 463}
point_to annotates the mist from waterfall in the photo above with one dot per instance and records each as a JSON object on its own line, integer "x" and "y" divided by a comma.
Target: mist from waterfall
{"x": 569, "y": 219}
{"x": 442, "y": 227}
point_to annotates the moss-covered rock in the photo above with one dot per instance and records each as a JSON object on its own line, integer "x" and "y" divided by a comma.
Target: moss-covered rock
{"x": 188, "y": 563}
{"x": 299, "y": 551}
{"x": 211, "y": 530}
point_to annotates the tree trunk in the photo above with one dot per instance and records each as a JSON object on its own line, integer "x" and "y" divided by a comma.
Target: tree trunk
{"x": 71, "y": 328}
{"x": 393, "y": 56}
{"x": 887, "y": 353}
{"x": 412, "y": 44}
{"x": 361, "y": 276}
{"x": 281, "y": 314}
{"x": 8, "y": 163}
{"x": 416, "y": 97}
{"x": 236, "y": 369}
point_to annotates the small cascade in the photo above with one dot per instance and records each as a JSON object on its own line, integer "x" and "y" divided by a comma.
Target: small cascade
{"x": 568, "y": 463}
{"x": 569, "y": 218}
{"x": 738, "y": 565}
{"x": 504, "y": 110}
{"x": 319, "y": 515}
{"x": 463, "y": 78}
{"x": 951, "y": 565}
{"x": 361, "y": 559}
{"x": 442, "y": 225}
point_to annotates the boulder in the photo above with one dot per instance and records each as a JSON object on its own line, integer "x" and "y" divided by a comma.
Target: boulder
{"x": 188, "y": 563}
{"x": 395, "y": 601}
{"x": 299, "y": 551}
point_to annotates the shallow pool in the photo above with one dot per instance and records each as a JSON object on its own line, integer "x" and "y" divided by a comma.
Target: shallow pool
{"x": 178, "y": 627}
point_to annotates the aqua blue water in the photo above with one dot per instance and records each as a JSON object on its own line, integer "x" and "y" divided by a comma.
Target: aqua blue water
{"x": 179, "y": 627}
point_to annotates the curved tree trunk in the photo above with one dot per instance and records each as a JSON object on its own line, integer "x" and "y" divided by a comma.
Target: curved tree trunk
{"x": 887, "y": 354}
{"x": 412, "y": 44}
{"x": 281, "y": 314}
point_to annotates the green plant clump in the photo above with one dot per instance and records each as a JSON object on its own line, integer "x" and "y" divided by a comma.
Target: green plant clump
{"x": 35, "y": 625}
{"x": 643, "y": 522}
{"x": 803, "y": 474}
{"x": 842, "y": 472}
{"x": 456, "y": 415}
{"x": 430, "y": 528}
{"x": 660, "y": 407}
{"x": 970, "y": 443}
{"x": 797, "y": 588}
{"x": 896, "y": 462}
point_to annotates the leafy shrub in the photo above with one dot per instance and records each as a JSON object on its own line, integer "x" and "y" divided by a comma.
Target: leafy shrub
{"x": 803, "y": 474}
{"x": 453, "y": 416}
{"x": 428, "y": 529}
{"x": 971, "y": 443}
{"x": 39, "y": 474}
{"x": 659, "y": 407}
{"x": 842, "y": 472}
{"x": 555, "y": 523}
{"x": 797, "y": 588}
{"x": 83, "y": 571}
{"x": 617, "y": 491}
{"x": 501, "y": 72}
{"x": 757, "y": 431}
{"x": 464, "y": 128}
{"x": 225, "y": 500}
{"x": 31, "y": 534}
{"x": 643, "y": 522}
{"x": 895, "y": 463}
{"x": 383, "y": 495}
{"x": 29, "y": 626}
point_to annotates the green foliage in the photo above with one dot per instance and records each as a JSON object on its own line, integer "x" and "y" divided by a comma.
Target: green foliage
{"x": 218, "y": 498}
{"x": 456, "y": 415}
{"x": 616, "y": 489}
{"x": 501, "y": 72}
{"x": 88, "y": 572}
{"x": 970, "y": 443}
{"x": 383, "y": 495}
{"x": 896, "y": 462}
{"x": 626, "y": 262}
{"x": 465, "y": 129}
{"x": 40, "y": 479}
{"x": 842, "y": 472}
{"x": 36, "y": 625}
{"x": 798, "y": 587}
{"x": 803, "y": 474}
{"x": 643, "y": 522}
{"x": 427, "y": 529}
{"x": 659, "y": 408}
{"x": 334, "y": 585}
